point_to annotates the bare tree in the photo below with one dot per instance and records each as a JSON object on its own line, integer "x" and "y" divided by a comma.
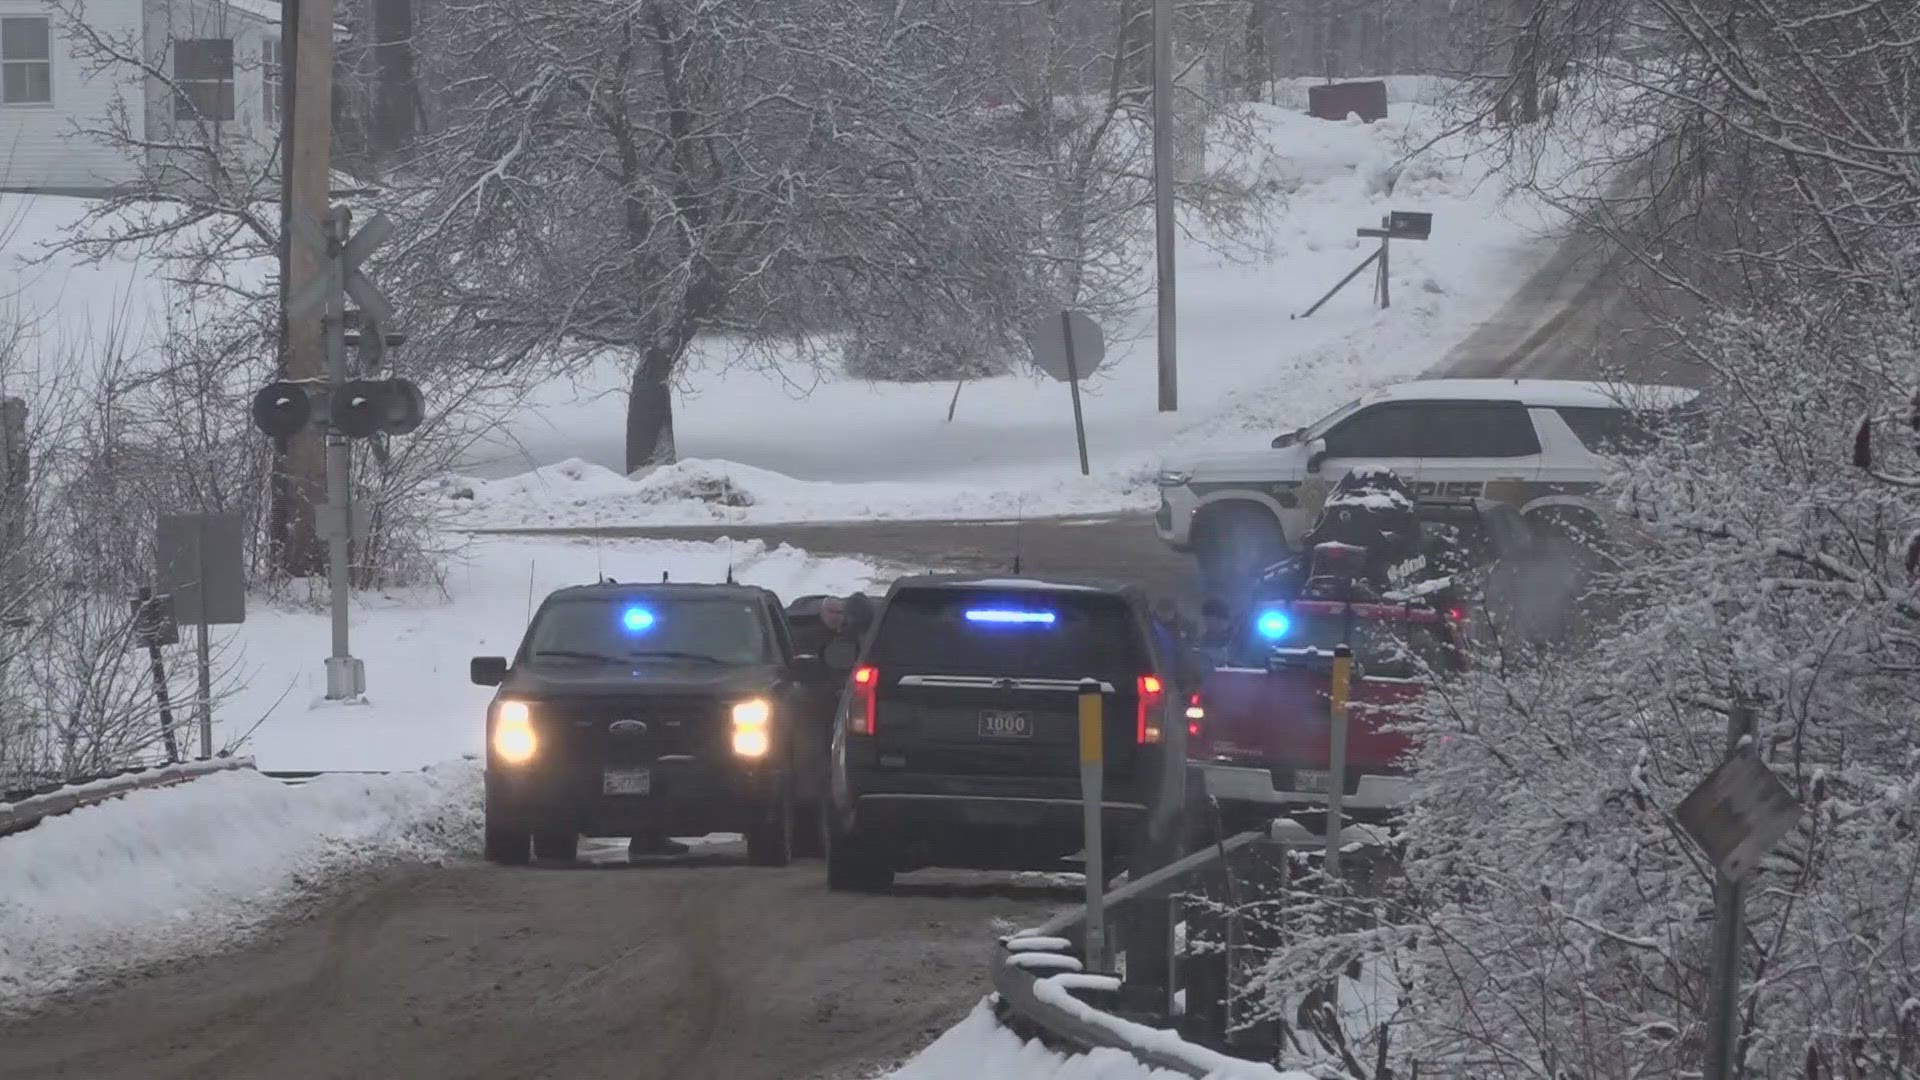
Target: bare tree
{"x": 1753, "y": 165}
{"x": 621, "y": 180}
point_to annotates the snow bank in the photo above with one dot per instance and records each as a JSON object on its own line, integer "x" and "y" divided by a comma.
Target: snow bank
{"x": 979, "y": 1046}
{"x": 699, "y": 491}
{"x": 802, "y": 446}
{"x": 189, "y": 870}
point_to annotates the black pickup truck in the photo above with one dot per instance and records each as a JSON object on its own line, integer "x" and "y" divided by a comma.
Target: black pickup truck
{"x": 651, "y": 711}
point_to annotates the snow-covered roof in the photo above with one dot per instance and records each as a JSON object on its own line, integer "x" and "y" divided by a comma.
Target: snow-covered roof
{"x": 1545, "y": 393}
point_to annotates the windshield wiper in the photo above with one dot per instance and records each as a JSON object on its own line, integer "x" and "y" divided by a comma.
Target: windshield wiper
{"x": 576, "y": 654}
{"x": 675, "y": 654}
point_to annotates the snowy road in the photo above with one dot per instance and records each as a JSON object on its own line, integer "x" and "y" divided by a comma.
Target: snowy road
{"x": 472, "y": 971}
{"x": 1119, "y": 547}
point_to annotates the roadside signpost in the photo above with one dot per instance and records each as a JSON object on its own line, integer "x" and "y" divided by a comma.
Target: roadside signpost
{"x": 1069, "y": 348}
{"x": 202, "y": 572}
{"x": 1397, "y": 225}
{"x": 154, "y": 627}
{"x": 1736, "y": 815}
{"x": 1093, "y": 763}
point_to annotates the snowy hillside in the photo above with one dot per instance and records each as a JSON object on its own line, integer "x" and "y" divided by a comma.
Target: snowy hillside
{"x": 844, "y": 449}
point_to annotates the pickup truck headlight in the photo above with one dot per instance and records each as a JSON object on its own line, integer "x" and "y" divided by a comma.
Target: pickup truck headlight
{"x": 1172, "y": 478}
{"x": 752, "y": 732}
{"x": 513, "y": 738}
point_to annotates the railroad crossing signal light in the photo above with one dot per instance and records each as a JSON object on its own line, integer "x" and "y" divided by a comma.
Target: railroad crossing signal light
{"x": 281, "y": 409}
{"x": 366, "y": 407}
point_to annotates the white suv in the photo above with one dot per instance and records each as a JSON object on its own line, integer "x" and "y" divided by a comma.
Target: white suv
{"x": 1534, "y": 443}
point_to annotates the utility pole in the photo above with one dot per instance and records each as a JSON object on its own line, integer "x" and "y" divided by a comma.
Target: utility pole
{"x": 1163, "y": 198}
{"x": 306, "y": 166}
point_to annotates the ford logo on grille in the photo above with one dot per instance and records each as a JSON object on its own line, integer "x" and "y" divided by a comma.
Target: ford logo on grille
{"x": 628, "y": 728}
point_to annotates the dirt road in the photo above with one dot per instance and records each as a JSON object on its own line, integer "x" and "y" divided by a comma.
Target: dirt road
{"x": 482, "y": 973}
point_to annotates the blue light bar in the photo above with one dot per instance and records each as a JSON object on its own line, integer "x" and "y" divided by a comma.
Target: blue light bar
{"x": 637, "y": 620}
{"x": 1009, "y": 617}
{"x": 1273, "y": 625}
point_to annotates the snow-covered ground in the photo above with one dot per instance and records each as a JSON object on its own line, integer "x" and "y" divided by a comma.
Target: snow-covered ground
{"x": 196, "y": 868}
{"x": 785, "y": 447}
{"x": 420, "y": 708}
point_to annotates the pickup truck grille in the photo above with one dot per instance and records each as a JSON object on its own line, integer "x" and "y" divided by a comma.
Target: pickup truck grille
{"x": 635, "y": 733}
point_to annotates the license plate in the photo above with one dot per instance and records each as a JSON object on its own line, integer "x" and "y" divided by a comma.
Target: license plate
{"x": 996, "y": 724}
{"x": 627, "y": 782}
{"x": 1310, "y": 779}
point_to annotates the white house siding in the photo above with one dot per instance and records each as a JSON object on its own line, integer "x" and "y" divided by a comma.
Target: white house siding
{"x": 251, "y": 135}
{"x": 41, "y": 146}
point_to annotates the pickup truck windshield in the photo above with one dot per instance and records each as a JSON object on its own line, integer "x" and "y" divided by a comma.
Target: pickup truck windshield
{"x": 1032, "y": 634}
{"x": 1383, "y": 648}
{"x": 719, "y": 629}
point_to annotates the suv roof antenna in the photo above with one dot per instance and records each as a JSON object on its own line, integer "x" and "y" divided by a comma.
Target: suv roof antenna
{"x": 1019, "y": 531}
{"x": 729, "y": 560}
{"x": 663, "y": 577}
{"x": 529, "y": 590}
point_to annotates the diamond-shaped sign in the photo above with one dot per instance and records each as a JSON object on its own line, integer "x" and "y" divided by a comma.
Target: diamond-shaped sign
{"x": 1738, "y": 813}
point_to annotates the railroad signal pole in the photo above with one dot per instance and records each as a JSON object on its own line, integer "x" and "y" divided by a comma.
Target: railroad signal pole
{"x": 355, "y": 408}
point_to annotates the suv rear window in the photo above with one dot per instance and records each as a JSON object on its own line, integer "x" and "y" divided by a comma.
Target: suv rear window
{"x": 1623, "y": 431}
{"x": 1019, "y": 633}
{"x": 1383, "y": 648}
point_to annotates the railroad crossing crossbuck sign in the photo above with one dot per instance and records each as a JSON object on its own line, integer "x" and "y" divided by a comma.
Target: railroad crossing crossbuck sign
{"x": 342, "y": 264}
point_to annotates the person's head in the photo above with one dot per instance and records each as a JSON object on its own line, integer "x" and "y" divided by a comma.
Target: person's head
{"x": 1213, "y": 612}
{"x": 833, "y": 613}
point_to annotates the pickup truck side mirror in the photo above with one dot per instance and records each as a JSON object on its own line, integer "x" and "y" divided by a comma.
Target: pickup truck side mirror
{"x": 487, "y": 670}
{"x": 1316, "y": 455}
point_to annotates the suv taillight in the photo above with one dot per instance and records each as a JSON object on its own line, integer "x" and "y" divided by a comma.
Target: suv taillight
{"x": 1152, "y": 694}
{"x": 1196, "y": 712}
{"x": 862, "y": 710}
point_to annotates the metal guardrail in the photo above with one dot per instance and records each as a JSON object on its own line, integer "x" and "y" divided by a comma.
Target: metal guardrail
{"x": 23, "y": 814}
{"x": 1038, "y": 972}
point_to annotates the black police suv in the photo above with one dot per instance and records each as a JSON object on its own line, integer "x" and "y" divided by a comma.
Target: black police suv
{"x": 957, "y": 741}
{"x": 652, "y": 711}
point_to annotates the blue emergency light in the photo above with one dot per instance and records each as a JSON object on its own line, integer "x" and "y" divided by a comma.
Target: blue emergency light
{"x": 1273, "y": 625}
{"x": 637, "y": 620}
{"x": 1010, "y": 617}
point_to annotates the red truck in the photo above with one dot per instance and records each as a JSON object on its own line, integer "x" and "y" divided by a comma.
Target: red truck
{"x": 1260, "y": 729}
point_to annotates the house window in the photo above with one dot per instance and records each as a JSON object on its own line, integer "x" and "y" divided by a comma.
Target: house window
{"x": 203, "y": 79}
{"x": 26, "y": 62}
{"x": 270, "y": 81}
